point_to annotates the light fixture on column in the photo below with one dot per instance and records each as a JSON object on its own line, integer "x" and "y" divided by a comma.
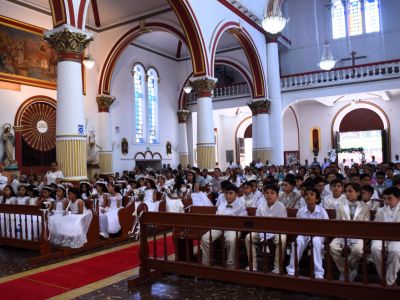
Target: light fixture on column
{"x": 188, "y": 87}
{"x": 327, "y": 61}
{"x": 274, "y": 22}
{"x": 88, "y": 60}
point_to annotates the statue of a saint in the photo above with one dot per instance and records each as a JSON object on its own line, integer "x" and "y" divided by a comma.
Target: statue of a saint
{"x": 9, "y": 144}
{"x": 92, "y": 153}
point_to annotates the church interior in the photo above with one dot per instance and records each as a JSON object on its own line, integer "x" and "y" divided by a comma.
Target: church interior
{"x": 185, "y": 149}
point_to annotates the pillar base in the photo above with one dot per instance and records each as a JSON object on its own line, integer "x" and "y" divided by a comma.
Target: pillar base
{"x": 183, "y": 159}
{"x": 71, "y": 157}
{"x": 262, "y": 154}
{"x": 105, "y": 163}
{"x": 206, "y": 157}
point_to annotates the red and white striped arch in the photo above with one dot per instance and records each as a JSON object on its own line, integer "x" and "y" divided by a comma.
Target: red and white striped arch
{"x": 71, "y": 12}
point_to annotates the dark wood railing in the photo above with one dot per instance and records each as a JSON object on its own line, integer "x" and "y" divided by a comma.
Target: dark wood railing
{"x": 193, "y": 226}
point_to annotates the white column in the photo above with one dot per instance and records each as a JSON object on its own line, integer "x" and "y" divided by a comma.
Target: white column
{"x": 274, "y": 92}
{"x": 205, "y": 126}
{"x": 105, "y": 133}
{"x": 183, "y": 140}
{"x": 71, "y": 140}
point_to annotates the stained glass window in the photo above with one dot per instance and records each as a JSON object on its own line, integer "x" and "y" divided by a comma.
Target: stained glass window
{"x": 338, "y": 20}
{"x": 371, "y": 13}
{"x": 139, "y": 100}
{"x": 152, "y": 101}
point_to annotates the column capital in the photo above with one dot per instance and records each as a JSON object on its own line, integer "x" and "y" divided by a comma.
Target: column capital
{"x": 259, "y": 107}
{"x": 182, "y": 115}
{"x": 104, "y": 102}
{"x": 204, "y": 85}
{"x": 271, "y": 38}
{"x": 68, "y": 43}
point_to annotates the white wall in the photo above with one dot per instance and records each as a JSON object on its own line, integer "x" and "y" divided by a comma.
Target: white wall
{"x": 122, "y": 111}
{"x": 312, "y": 114}
{"x": 307, "y": 36}
{"x": 290, "y": 135}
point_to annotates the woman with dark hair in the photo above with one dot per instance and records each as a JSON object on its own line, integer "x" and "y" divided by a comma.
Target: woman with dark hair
{"x": 84, "y": 189}
{"x": 8, "y": 195}
{"x": 150, "y": 194}
{"x": 70, "y": 228}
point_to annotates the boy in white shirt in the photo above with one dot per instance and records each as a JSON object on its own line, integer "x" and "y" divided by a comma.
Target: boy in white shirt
{"x": 270, "y": 208}
{"x": 256, "y": 192}
{"x": 233, "y": 207}
{"x": 311, "y": 211}
{"x": 248, "y": 199}
{"x": 336, "y": 197}
{"x": 367, "y": 192}
{"x": 389, "y": 213}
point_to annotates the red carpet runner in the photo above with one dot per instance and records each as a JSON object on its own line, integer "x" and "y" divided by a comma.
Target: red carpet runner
{"x": 62, "y": 279}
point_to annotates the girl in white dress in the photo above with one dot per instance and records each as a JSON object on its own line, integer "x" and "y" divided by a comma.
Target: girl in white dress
{"x": 175, "y": 195}
{"x": 61, "y": 201}
{"x": 22, "y": 198}
{"x": 8, "y": 195}
{"x": 69, "y": 229}
{"x": 103, "y": 197}
{"x": 110, "y": 223}
{"x": 45, "y": 200}
{"x": 84, "y": 187}
{"x": 33, "y": 195}
{"x": 198, "y": 198}
{"x": 150, "y": 195}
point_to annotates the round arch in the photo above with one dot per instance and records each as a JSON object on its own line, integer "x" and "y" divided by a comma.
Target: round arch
{"x": 182, "y": 104}
{"x": 249, "y": 48}
{"x": 341, "y": 114}
{"x": 241, "y": 130}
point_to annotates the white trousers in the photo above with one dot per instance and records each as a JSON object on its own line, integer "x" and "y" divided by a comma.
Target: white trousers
{"x": 255, "y": 236}
{"x": 302, "y": 243}
{"x": 356, "y": 252}
{"x": 230, "y": 245}
{"x": 392, "y": 262}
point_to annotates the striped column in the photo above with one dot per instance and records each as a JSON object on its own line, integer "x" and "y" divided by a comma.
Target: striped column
{"x": 205, "y": 126}
{"x": 71, "y": 140}
{"x": 183, "y": 141}
{"x": 105, "y": 142}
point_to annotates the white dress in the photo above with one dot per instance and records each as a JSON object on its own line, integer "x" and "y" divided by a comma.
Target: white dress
{"x": 70, "y": 230}
{"x": 174, "y": 205}
{"x": 200, "y": 199}
{"x": 22, "y": 200}
{"x": 148, "y": 199}
{"x": 109, "y": 221}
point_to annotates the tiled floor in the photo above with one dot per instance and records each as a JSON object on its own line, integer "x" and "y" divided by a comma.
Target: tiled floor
{"x": 174, "y": 287}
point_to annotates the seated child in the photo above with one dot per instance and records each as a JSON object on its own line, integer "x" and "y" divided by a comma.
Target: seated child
{"x": 233, "y": 207}
{"x": 256, "y": 192}
{"x": 289, "y": 198}
{"x": 319, "y": 183}
{"x": 248, "y": 199}
{"x": 367, "y": 192}
{"x": 351, "y": 210}
{"x": 388, "y": 213}
{"x": 311, "y": 211}
{"x": 271, "y": 208}
{"x": 380, "y": 184}
{"x": 336, "y": 197}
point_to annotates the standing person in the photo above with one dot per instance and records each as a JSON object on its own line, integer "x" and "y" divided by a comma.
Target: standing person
{"x": 342, "y": 165}
{"x": 351, "y": 210}
{"x": 269, "y": 208}
{"x": 233, "y": 207}
{"x": 216, "y": 184}
{"x": 3, "y": 178}
{"x": 389, "y": 213}
{"x": 311, "y": 211}
{"x": 54, "y": 175}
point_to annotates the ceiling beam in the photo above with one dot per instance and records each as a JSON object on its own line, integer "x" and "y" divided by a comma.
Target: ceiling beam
{"x": 179, "y": 49}
{"x": 96, "y": 13}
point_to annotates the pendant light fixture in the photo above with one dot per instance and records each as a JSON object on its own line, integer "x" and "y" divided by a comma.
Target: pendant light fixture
{"x": 274, "y": 22}
{"x": 88, "y": 60}
{"x": 327, "y": 61}
{"x": 188, "y": 87}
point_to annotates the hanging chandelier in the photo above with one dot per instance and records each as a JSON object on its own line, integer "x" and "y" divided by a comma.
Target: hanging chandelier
{"x": 88, "y": 61}
{"x": 274, "y": 22}
{"x": 327, "y": 61}
{"x": 187, "y": 88}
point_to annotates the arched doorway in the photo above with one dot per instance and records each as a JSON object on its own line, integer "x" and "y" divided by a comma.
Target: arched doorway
{"x": 244, "y": 142}
{"x": 35, "y": 134}
{"x": 362, "y": 125}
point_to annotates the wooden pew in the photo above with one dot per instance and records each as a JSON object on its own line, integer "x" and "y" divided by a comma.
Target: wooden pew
{"x": 25, "y": 226}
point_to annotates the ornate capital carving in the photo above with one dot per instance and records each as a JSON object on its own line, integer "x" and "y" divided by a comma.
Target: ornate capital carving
{"x": 182, "y": 115}
{"x": 68, "y": 45}
{"x": 204, "y": 85}
{"x": 104, "y": 102}
{"x": 259, "y": 107}
{"x": 271, "y": 38}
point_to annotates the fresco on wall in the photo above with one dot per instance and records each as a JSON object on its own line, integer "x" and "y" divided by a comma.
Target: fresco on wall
{"x": 25, "y": 57}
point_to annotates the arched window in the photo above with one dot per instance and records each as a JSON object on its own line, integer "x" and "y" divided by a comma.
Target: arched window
{"x": 348, "y": 17}
{"x": 354, "y": 17}
{"x": 338, "y": 20}
{"x": 152, "y": 105}
{"x": 371, "y": 13}
{"x": 139, "y": 96}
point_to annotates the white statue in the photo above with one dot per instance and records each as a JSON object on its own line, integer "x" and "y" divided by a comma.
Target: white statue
{"x": 92, "y": 153}
{"x": 9, "y": 144}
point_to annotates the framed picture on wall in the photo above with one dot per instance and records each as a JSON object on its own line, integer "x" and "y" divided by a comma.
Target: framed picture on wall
{"x": 291, "y": 157}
